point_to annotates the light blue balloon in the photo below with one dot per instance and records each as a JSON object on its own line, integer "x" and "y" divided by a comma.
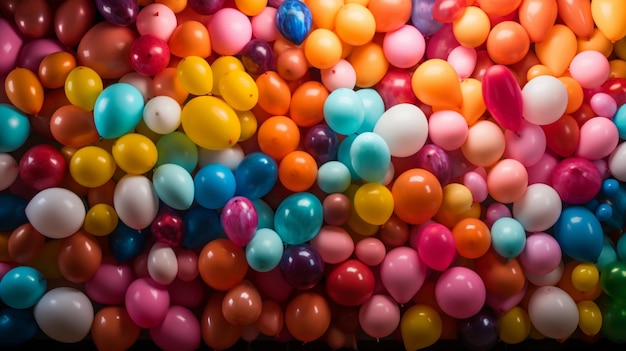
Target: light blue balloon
{"x": 579, "y": 234}
{"x": 620, "y": 121}
{"x": 370, "y": 157}
{"x": 174, "y": 186}
{"x": 298, "y": 218}
{"x": 265, "y": 250}
{"x": 343, "y": 155}
{"x": 14, "y": 128}
{"x": 333, "y": 177}
{"x": 215, "y": 185}
{"x": 118, "y": 110}
{"x": 343, "y": 111}
{"x": 177, "y": 148}
{"x": 265, "y": 214}
{"x": 508, "y": 237}
{"x": 607, "y": 255}
{"x": 374, "y": 107}
{"x": 22, "y": 287}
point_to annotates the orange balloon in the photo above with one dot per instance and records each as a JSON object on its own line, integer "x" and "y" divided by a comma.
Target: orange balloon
{"x": 355, "y": 24}
{"x": 175, "y": 5}
{"x": 597, "y": 42}
{"x": 190, "y": 38}
{"x": 54, "y": 69}
{"x": 24, "y": 90}
{"x": 557, "y": 49}
{"x": 166, "y": 83}
{"x": 291, "y": 64}
{"x": 369, "y": 63}
{"x": 297, "y": 171}
{"x": 222, "y": 264}
{"x": 271, "y": 320}
{"x": 473, "y": 106}
{"x": 102, "y": 194}
{"x": 242, "y": 304}
{"x": 618, "y": 68}
{"x": 538, "y": 70}
{"x": 307, "y": 103}
{"x": 79, "y": 257}
{"x": 307, "y": 316}
{"x": 472, "y": 238}
{"x": 46, "y": 261}
{"x": 575, "y": 94}
{"x": 499, "y": 7}
{"x": 537, "y": 17}
{"x": 417, "y": 196}
{"x": 566, "y": 284}
{"x": 436, "y": 83}
{"x": 274, "y": 93}
{"x": 322, "y": 48}
{"x": 576, "y": 14}
{"x": 324, "y": 12}
{"x": 217, "y": 332}
{"x": 502, "y": 276}
{"x": 73, "y": 126}
{"x": 508, "y": 43}
{"x": 52, "y": 100}
{"x": 25, "y": 243}
{"x": 278, "y": 136}
{"x": 113, "y": 329}
{"x": 472, "y": 28}
{"x": 105, "y": 48}
{"x": 390, "y": 14}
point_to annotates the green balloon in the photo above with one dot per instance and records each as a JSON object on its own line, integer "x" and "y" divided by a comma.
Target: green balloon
{"x": 614, "y": 321}
{"x": 613, "y": 280}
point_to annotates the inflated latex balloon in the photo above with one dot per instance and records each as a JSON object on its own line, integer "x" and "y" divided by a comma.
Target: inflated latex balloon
{"x": 64, "y": 314}
{"x": 294, "y": 20}
{"x": 553, "y": 312}
{"x": 503, "y": 97}
{"x": 56, "y": 212}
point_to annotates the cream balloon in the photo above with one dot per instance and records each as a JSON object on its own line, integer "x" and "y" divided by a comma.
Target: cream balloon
{"x": 64, "y": 314}
{"x": 230, "y": 157}
{"x": 404, "y": 128}
{"x": 162, "y": 263}
{"x": 162, "y": 114}
{"x": 553, "y": 312}
{"x": 8, "y": 170}
{"x": 539, "y": 208}
{"x": 56, "y": 212}
{"x": 544, "y": 100}
{"x": 135, "y": 201}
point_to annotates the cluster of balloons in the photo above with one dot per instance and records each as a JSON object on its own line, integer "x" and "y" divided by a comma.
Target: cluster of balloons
{"x": 211, "y": 171}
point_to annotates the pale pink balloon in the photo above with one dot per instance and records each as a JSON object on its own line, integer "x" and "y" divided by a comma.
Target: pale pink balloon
{"x": 477, "y": 185}
{"x": 187, "y": 265}
{"x": 341, "y": 75}
{"x": 598, "y": 138}
{"x": 110, "y": 282}
{"x": 463, "y": 60}
{"x": 541, "y": 172}
{"x": 551, "y": 278}
{"x": 370, "y": 251}
{"x": 147, "y": 302}
{"x": 541, "y": 255}
{"x": 603, "y": 105}
{"x": 402, "y": 273}
{"x": 526, "y": 145}
{"x": 501, "y": 304}
{"x": 229, "y": 30}
{"x": 179, "y": 330}
{"x": 590, "y": 68}
{"x": 157, "y": 20}
{"x": 447, "y": 129}
{"x": 264, "y": 25}
{"x": 333, "y": 243}
{"x": 507, "y": 181}
{"x": 460, "y": 292}
{"x": 404, "y": 47}
{"x": 187, "y": 293}
{"x": 379, "y": 316}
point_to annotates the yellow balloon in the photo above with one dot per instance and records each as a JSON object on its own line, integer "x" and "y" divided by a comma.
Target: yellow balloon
{"x": 585, "y": 276}
{"x": 248, "y": 123}
{"x": 457, "y": 198}
{"x": 211, "y": 123}
{"x": 558, "y": 49}
{"x": 251, "y": 7}
{"x": 473, "y": 106}
{"x": 82, "y": 87}
{"x": 220, "y": 67}
{"x": 239, "y": 90}
{"x": 610, "y": 17}
{"x": 597, "y": 42}
{"x": 92, "y": 166}
{"x": 100, "y": 220}
{"x": 436, "y": 83}
{"x": 195, "y": 75}
{"x": 420, "y": 326}
{"x": 589, "y": 317}
{"x": 373, "y": 202}
{"x": 135, "y": 153}
{"x": 514, "y": 325}
{"x": 46, "y": 261}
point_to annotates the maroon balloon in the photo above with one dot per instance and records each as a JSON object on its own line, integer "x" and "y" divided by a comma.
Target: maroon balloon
{"x": 206, "y": 7}
{"x": 257, "y": 56}
{"x": 503, "y": 97}
{"x": 167, "y": 227}
{"x": 395, "y": 88}
{"x": 42, "y": 167}
{"x": 435, "y": 160}
{"x": 301, "y": 266}
{"x": 118, "y": 12}
{"x": 36, "y": 50}
{"x": 33, "y": 18}
{"x": 149, "y": 55}
{"x": 239, "y": 220}
{"x": 576, "y": 180}
{"x": 73, "y": 19}
{"x": 350, "y": 283}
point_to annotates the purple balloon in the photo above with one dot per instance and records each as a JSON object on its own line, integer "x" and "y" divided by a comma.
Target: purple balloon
{"x": 480, "y": 332}
{"x": 36, "y": 50}
{"x": 257, "y": 56}
{"x": 206, "y": 7}
{"x": 167, "y": 227}
{"x": 503, "y": 97}
{"x": 301, "y": 266}
{"x": 240, "y": 220}
{"x": 118, "y": 12}
{"x": 576, "y": 180}
{"x": 322, "y": 143}
{"x": 435, "y": 160}
{"x": 10, "y": 45}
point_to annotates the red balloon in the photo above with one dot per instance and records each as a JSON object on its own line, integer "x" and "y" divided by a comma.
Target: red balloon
{"x": 33, "y": 18}
{"x": 149, "y": 55}
{"x": 395, "y": 88}
{"x": 350, "y": 283}
{"x": 73, "y": 19}
{"x": 447, "y": 11}
{"x": 562, "y": 136}
{"x": 42, "y": 167}
{"x": 616, "y": 87}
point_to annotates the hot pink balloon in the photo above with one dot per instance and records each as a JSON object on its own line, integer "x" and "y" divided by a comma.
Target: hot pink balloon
{"x": 460, "y": 292}
{"x": 402, "y": 273}
{"x": 541, "y": 172}
{"x": 436, "y": 246}
{"x": 147, "y": 302}
{"x": 179, "y": 331}
{"x": 541, "y": 255}
{"x": 501, "y": 304}
{"x": 379, "y": 316}
{"x": 239, "y": 220}
{"x": 503, "y": 97}
{"x": 10, "y": 45}
{"x": 576, "y": 180}
{"x": 110, "y": 282}
{"x": 603, "y": 104}
{"x": 496, "y": 211}
{"x": 477, "y": 185}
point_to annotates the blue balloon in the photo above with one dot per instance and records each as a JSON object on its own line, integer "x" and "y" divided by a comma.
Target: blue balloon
{"x": 118, "y": 110}
{"x": 580, "y": 234}
{"x": 256, "y": 175}
{"x": 344, "y": 111}
{"x": 620, "y": 121}
{"x": 298, "y": 218}
{"x": 22, "y": 287}
{"x": 14, "y": 128}
{"x": 508, "y": 237}
{"x": 12, "y": 212}
{"x": 370, "y": 157}
{"x": 177, "y": 148}
{"x": 265, "y": 214}
{"x": 343, "y": 155}
{"x": 215, "y": 185}
{"x": 201, "y": 226}
{"x": 333, "y": 177}
{"x": 264, "y": 251}
{"x": 127, "y": 243}
{"x": 374, "y": 107}
{"x": 17, "y": 326}
{"x": 294, "y": 20}
{"x": 422, "y": 17}
{"x": 174, "y": 186}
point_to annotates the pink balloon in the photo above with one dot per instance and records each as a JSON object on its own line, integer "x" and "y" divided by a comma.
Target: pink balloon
{"x": 501, "y": 304}
{"x": 179, "y": 331}
{"x": 110, "y": 282}
{"x": 551, "y": 278}
{"x": 10, "y": 45}
{"x": 496, "y": 211}
{"x": 507, "y": 180}
{"x": 526, "y": 145}
{"x": 229, "y": 30}
{"x": 402, "y": 273}
{"x": 441, "y": 43}
{"x": 463, "y": 60}
{"x": 460, "y": 292}
{"x": 334, "y": 244}
{"x": 264, "y": 25}
{"x": 541, "y": 255}
{"x": 436, "y": 246}
{"x": 379, "y": 316}
{"x": 541, "y": 172}
{"x": 590, "y": 68}
{"x": 240, "y": 220}
{"x": 370, "y": 251}
{"x": 447, "y": 129}
{"x": 603, "y": 104}
{"x": 503, "y": 97}
{"x": 36, "y": 50}
{"x": 147, "y": 302}
{"x": 187, "y": 265}
{"x": 341, "y": 75}
{"x": 273, "y": 285}
{"x": 157, "y": 20}
{"x": 477, "y": 185}
{"x": 576, "y": 180}
{"x": 187, "y": 293}
{"x": 598, "y": 138}
{"x": 404, "y": 47}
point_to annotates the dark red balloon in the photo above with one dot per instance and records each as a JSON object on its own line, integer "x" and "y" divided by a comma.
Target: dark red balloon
{"x": 149, "y": 55}
{"x": 395, "y": 88}
{"x": 33, "y": 18}
{"x": 42, "y": 167}
{"x": 562, "y": 135}
{"x": 167, "y": 227}
{"x": 73, "y": 19}
{"x": 350, "y": 283}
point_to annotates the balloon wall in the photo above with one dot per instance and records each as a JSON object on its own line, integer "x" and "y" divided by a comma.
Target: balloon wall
{"x": 198, "y": 172}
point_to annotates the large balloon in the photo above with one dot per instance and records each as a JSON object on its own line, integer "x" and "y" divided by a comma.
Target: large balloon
{"x": 22, "y": 287}
{"x": 64, "y": 314}
{"x": 298, "y": 218}
{"x": 136, "y": 201}
{"x": 553, "y": 312}
{"x": 117, "y": 110}
{"x": 56, "y": 212}
{"x": 402, "y": 273}
{"x": 307, "y": 316}
{"x": 579, "y": 234}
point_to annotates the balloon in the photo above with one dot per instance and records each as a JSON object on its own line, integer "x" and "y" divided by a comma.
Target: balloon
{"x": 379, "y": 316}
{"x": 25, "y": 244}
{"x": 240, "y": 220}
{"x": 373, "y": 203}
{"x": 321, "y": 143}
{"x": 239, "y": 90}
{"x": 447, "y": 129}
{"x": 122, "y": 13}
{"x": 147, "y": 302}
{"x": 109, "y": 283}
{"x": 553, "y": 312}
{"x": 613, "y": 317}
{"x": 343, "y": 111}
{"x": 162, "y": 114}
{"x": 508, "y": 43}
{"x": 539, "y": 110}
{"x": 11, "y": 45}
{"x": 341, "y": 75}
{"x": 579, "y": 234}
{"x": 333, "y": 177}
{"x": 136, "y": 201}
{"x": 201, "y": 226}
{"x": 323, "y": 49}
{"x": 503, "y": 97}
{"x": 370, "y": 157}
{"x": 73, "y": 127}
{"x": 562, "y": 136}
{"x": 12, "y": 212}
{"x": 337, "y": 208}
{"x": 607, "y": 15}
{"x": 539, "y": 208}
{"x": 460, "y": 292}
{"x": 435, "y": 82}
{"x": 611, "y": 278}
{"x": 472, "y": 26}
{"x": 307, "y": 316}
{"x": 472, "y": 237}
{"x": 421, "y": 327}
{"x": 271, "y": 321}
{"x": 242, "y": 304}
{"x": 417, "y": 196}
{"x": 161, "y": 26}
{"x": 134, "y": 153}
{"x": 42, "y": 166}
{"x": 149, "y": 55}
{"x": 302, "y": 266}
{"x": 514, "y": 326}
{"x": 564, "y": 181}
{"x": 507, "y": 180}
{"x": 577, "y": 16}
{"x": 210, "y": 123}
{"x": 105, "y": 48}
{"x": 174, "y": 186}
{"x": 294, "y": 21}
{"x": 177, "y": 148}
{"x": 597, "y": 138}
{"x": 195, "y": 75}
{"x": 217, "y": 332}
{"x": 21, "y": 287}
{"x": 15, "y": 128}
{"x": 502, "y": 277}
{"x": 503, "y": 304}
{"x": 79, "y": 257}
{"x": 351, "y": 283}
{"x": 9, "y": 170}
{"x": 56, "y": 212}
{"x": 18, "y": 326}
{"x": 126, "y": 242}
{"x": 214, "y": 186}
{"x": 334, "y": 244}
{"x": 508, "y": 237}
{"x": 222, "y": 264}
{"x": 162, "y": 263}
{"x": 297, "y": 171}
{"x": 402, "y": 273}
{"x": 113, "y": 329}
{"x": 24, "y": 90}
{"x": 590, "y": 68}
{"x": 82, "y": 87}
{"x": 264, "y": 251}
{"x": 479, "y": 332}
{"x": 179, "y": 330}
{"x": 538, "y": 16}
{"x": 229, "y": 30}
{"x": 64, "y": 314}
{"x": 435, "y": 246}
{"x": 541, "y": 255}
{"x": 117, "y": 110}
{"x": 485, "y": 144}
{"x": 92, "y": 166}
{"x": 298, "y": 218}
{"x": 590, "y": 317}
{"x": 404, "y": 128}
{"x": 190, "y": 38}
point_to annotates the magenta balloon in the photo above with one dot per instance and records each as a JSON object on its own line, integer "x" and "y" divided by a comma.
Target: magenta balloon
{"x": 436, "y": 246}
{"x": 503, "y": 97}
{"x": 541, "y": 255}
{"x": 240, "y": 220}
{"x": 576, "y": 180}
{"x": 460, "y": 292}
{"x": 167, "y": 227}
{"x": 180, "y": 330}
{"x": 36, "y": 50}
{"x": 147, "y": 302}
{"x": 10, "y": 45}
{"x": 109, "y": 284}
{"x": 402, "y": 273}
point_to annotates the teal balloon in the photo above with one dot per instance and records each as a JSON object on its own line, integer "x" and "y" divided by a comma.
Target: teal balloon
{"x": 621, "y": 247}
{"x": 14, "y": 128}
{"x": 174, "y": 186}
{"x": 343, "y": 155}
{"x": 265, "y": 250}
{"x": 333, "y": 177}
{"x": 607, "y": 255}
{"x": 370, "y": 157}
{"x": 374, "y": 107}
{"x": 614, "y": 321}
{"x": 118, "y": 110}
{"x": 508, "y": 237}
{"x": 17, "y": 326}
{"x": 298, "y": 218}
{"x": 613, "y": 280}
{"x": 177, "y": 148}
{"x": 265, "y": 214}
{"x": 620, "y": 121}
{"x": 343, "y": 111}
{"x": 579, "y": 233}
{"x": 22, "y": 287}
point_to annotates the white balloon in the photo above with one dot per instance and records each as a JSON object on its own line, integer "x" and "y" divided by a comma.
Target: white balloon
{"x": 539, "y": 208}
{"x": 544, "y": 100}
{"x": 162, "y": 263}
{"x": 404, "y": 128}
{"x": 64, "y": 314}
{"x": 230, "y": 157}
{"x": 8, "y": 170}
{"x": 135, "y": 201}
{"x": 56, "y": 212}
{"x": 551, "y": 278}
{"x": 553, "y": 312}
{"x": 142, "y": 83}
{"x": 617, "y": 162}
{"x": 162, "y": 114}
